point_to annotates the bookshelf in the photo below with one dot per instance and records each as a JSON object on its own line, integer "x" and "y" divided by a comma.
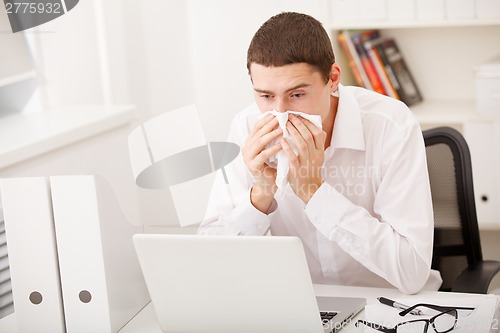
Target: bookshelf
{"x": 442, "y": 56}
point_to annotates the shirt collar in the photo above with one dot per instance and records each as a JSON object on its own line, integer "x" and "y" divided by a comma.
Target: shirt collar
{"x": 348, "y": 129}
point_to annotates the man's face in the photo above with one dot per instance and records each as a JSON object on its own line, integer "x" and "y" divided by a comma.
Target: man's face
{"x": 295, "y": 87}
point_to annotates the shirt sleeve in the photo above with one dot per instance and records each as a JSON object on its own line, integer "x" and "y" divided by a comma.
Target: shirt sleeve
{"x": 397, "y": 243}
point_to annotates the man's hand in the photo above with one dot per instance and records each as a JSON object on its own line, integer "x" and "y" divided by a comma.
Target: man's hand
{"x": 305, "y": 168}
{"x": 255, "y": 154}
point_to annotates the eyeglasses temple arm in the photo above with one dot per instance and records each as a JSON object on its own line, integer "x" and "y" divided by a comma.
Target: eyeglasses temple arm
{"x": 431, "y": 306}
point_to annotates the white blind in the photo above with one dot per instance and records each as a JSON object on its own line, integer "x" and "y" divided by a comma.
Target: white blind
{"x": 6, "y": 304}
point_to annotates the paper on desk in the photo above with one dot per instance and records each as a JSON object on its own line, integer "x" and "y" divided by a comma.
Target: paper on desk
{"x": 482, "y": 319}
{"x": 280, "y": 161}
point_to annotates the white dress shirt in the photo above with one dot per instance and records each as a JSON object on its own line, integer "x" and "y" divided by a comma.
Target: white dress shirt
{"x": 371, "y": 222}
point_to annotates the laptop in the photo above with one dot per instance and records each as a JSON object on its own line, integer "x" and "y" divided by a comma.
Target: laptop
{"x": 245, "y": 284}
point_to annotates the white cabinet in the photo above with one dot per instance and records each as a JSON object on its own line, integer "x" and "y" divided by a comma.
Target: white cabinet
{"x": 483, "y": 139}
{"x": 442, "y": 54}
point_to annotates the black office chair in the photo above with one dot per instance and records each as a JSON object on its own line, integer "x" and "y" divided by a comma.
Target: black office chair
{"x": 457, "y": 245}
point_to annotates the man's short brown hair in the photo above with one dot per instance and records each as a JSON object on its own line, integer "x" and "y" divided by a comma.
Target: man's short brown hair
{"x": 289, "y": 38}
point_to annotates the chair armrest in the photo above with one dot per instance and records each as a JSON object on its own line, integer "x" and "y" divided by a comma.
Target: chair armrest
{"x": 477, "y": 279}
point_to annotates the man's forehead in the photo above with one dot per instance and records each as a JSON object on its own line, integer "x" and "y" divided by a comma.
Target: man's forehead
{"x": 288, "y": 77}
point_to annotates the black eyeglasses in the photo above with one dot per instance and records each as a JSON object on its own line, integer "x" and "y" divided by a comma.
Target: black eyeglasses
{"x": 444, "y": 321}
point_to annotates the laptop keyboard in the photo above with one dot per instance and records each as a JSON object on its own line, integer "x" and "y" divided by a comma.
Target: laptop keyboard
{"x": 327, "y": 316}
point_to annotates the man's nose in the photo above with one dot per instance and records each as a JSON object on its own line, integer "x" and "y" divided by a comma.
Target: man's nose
{"x": 281, "y": 106}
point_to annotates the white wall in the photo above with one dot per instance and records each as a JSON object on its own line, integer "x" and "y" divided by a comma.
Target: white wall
{"x": 68, "y": 59}
{"x": 159, "y": 56}
{"x": 141, "y": 46}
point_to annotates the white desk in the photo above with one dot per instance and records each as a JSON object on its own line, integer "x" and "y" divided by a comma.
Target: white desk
{"x": 145, "y": 321}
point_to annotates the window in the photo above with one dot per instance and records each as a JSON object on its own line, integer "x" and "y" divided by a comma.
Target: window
{"x": 17, "y": 74}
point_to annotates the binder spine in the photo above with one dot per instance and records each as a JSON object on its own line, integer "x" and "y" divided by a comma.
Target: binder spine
{"x": 32, "y": 255}
{"x": 102, "y": 284}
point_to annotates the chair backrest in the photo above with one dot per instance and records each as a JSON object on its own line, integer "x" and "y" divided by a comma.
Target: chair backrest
{"x": 457, "y": 244}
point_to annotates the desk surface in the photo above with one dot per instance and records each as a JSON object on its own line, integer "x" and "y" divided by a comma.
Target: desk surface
{"x": 145, "y": 321}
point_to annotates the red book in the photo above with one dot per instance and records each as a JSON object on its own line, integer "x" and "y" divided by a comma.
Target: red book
{"x": 373, "y": 53}
{"x": 371, "y": 72}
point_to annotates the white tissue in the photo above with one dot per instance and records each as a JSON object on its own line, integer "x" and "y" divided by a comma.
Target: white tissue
{"x": 280, "y": 161}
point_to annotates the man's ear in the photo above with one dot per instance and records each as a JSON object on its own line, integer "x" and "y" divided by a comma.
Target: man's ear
{"x": 334, "y": 77}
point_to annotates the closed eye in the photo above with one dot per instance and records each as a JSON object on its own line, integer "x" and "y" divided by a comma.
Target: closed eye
{"x": 297, "y": 95}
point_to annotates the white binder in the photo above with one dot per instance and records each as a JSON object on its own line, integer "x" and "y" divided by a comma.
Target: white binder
{"x": 102, "y": 284}
{"x": 32, "y": 255}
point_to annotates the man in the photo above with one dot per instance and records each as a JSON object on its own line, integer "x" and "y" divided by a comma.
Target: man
{"x": 358, "y": 191}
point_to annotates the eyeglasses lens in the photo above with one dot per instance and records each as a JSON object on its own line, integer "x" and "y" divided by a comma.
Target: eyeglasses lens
{"x": 419, "y": 326}
{"x": 445, "y": 322}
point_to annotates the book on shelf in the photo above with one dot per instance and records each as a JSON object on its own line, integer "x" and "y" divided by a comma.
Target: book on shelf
{"x": 353, "y": 60}
{"x": 387, "y": 67}
{"x": 378, "y": 65}
{"x": 358, "y": 40}
{"x": 408, "y": 89}
{"x": 385, "y": 73}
